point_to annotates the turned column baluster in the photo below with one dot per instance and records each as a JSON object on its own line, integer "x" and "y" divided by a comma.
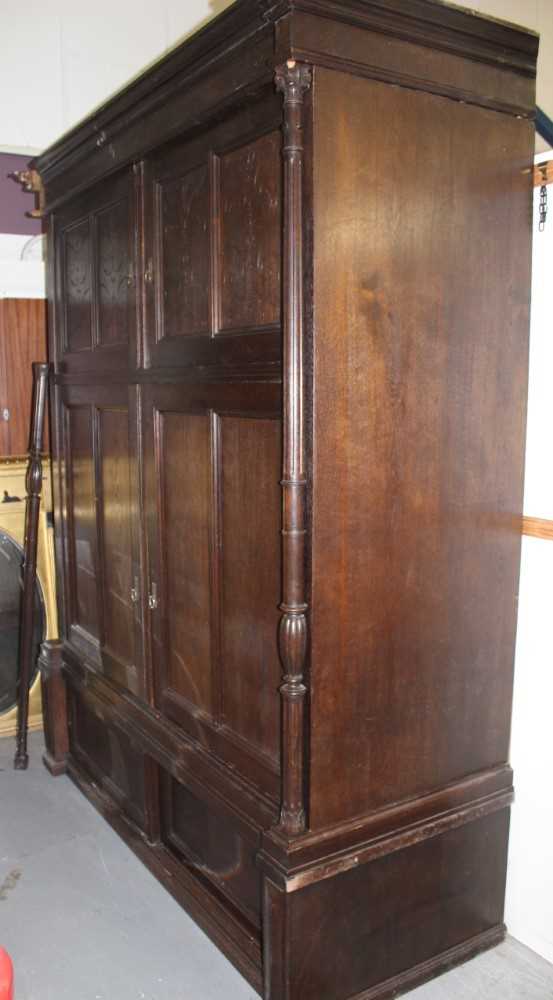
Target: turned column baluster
{"x": 34, "y": 489}
{"x": 293, "y": 79}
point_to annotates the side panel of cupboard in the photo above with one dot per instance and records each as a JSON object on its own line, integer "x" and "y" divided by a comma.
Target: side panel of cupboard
{"x": 425, "y": 500}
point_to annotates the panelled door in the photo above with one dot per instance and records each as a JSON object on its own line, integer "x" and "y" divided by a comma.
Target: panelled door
{"x": 213, "y": 455}
{"x": 213, "y": 207}
{"x": 212, "y": 436}
{"x": 96, "y": 321}
{"x": 103, "y": 568}
{"x": 96, "y": 286}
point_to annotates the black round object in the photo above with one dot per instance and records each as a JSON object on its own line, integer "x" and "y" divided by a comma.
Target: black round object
{"x": 11, "y": 565}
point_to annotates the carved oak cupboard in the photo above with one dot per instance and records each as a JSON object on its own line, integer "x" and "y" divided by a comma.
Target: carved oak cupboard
{"x": 289, "y": 283}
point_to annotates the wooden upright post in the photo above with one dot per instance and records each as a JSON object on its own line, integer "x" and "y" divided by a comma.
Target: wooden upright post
{"x": 293, "y": 79}
{"x": 34, "y": 489}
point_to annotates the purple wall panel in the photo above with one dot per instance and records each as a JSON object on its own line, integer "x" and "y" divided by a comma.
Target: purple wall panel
{"x": 14, "y": 202}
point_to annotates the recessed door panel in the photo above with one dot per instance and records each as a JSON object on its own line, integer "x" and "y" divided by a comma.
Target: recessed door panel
{"x": 114, "y": 269}
{"x": 250, "y": 199}
{"x": 184, "y": 443}
{"x": 96, "y": 278}
{"x": 213, "y": 243}
{"x": 212, "y": 454}
{"x": 105, "y": 593}
{"x": 78, "y": 286}
{"x": 121, "y": 590}
{"x": 250, "y": 579}
{"x": 83, "y": 550}
{"x": 182, "y": 237}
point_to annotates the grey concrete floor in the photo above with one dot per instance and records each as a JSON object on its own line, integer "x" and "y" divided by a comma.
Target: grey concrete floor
{"x": 84, "y": 920}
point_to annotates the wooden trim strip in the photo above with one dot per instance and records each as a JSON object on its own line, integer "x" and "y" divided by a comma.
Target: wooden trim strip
{"x": 389, "y": 844}
{"x": 539, "y": 178}
{"x": 538, "y": 527}
{"x": 420, "y": 974}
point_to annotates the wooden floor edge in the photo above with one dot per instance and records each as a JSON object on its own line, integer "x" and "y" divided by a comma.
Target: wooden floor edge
{"x": 433, "y": 967}
{"x": 150, "y": 858}
{"x": 537, "y": 527}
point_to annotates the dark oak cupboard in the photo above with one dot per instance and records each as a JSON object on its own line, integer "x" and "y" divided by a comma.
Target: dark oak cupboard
{"x": 289, "y": 284}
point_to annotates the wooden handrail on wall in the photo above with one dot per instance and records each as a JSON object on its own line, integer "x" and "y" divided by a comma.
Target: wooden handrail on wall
{"x": 537, "y": 527}
{"x": 543, "y": 173}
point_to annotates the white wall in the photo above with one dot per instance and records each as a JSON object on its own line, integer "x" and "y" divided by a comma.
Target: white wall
{"x": 59, "y": 59}
{"x": 535, "y": 14}
{"x": 530, "y": 881}
{"x": 22, "y": 272}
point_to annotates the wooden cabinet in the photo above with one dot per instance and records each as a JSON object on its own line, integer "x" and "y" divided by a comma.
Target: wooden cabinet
{"x": 289, "y": 286}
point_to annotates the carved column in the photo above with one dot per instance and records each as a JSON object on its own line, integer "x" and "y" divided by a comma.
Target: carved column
{"x": 293, "y": 79}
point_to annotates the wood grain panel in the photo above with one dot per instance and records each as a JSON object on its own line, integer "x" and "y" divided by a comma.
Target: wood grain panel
{"x": 113, "y": 270}
{"x": 22, "y": 341}
{"x": 82, "y": 520}
{"x": 380, "y": 920}
{"x": 109, "y": 756}
{"x": 250, "y": 207}
{"x": 419, "y": 289}
{"x": 186, "y": 491}
{"x": 215, "y": 843}
{"x": 96, "y": 280}
{"x": 183, "y": 241}
{"x": 250, "y": 579}
{"x": 117, "y": 509}
{"x": 78, "y": 286}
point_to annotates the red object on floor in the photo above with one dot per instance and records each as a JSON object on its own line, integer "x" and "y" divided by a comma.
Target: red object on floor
{"x": 6, "y": 976}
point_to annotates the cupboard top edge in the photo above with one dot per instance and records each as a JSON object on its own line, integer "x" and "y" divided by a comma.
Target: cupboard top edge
{"x": 267, "y": 29}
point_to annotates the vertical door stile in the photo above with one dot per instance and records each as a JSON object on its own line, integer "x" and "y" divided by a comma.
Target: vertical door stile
{"x": 215, "y": 241}
{"x": 99, "y": 515}
{"x": 136, "y": 256}
{"x": 138, "y": 415}
{"x": 141, "y": 554}
{"x": 95, "y": 338}
{"x": 65, "y": 475}
{"x": 216, "y": 548}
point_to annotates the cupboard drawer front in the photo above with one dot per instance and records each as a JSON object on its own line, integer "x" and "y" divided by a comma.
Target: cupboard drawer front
{"x": 217, "y": 845}
{"x": 109, "y": 756}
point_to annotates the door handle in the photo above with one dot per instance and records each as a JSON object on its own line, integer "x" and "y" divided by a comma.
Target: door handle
{"x": 134, "y": 591}
{"x": 152, "y": 597}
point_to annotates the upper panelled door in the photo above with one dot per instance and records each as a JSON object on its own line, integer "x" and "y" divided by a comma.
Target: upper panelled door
{"x": 213, "y": 460}
{"x": 104, "y": 597}
{"x": 96, "y": 279}
{"x": 213, "y": 244}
